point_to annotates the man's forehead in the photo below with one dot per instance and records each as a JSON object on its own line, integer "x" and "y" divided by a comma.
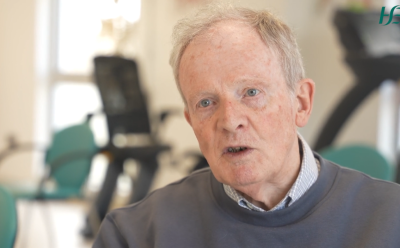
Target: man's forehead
{"x": 226, "y": 29}
{"x": 230, "y": 50}
{"x": 229, "y": 36}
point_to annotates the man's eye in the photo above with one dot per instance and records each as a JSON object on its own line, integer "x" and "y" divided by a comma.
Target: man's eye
{"x": 205, "y": 103}
{"x": 252, "y": 92}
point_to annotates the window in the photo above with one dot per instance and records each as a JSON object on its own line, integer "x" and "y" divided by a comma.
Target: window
{"x": 81, "y": 32}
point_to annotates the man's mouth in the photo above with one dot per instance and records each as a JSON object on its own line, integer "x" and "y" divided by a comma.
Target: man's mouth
{"x": 236, "y": 149}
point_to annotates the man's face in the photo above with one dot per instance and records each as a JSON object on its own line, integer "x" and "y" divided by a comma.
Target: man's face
{"x": 239, "y": 105}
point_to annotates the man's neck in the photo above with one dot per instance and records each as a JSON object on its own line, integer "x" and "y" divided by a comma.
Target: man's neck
{"x": 267, "y": 194}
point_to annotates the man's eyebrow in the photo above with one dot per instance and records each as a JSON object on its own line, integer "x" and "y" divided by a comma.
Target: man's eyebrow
{"x": 198, "y": 95}
{"x": 243, "y": 80}
{"x": 252, "y": 80}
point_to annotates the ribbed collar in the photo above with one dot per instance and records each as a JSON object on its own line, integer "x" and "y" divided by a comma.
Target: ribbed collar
{"x": 298, "y": 210}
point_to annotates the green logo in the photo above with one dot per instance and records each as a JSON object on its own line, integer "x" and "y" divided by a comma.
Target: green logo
{"x": 390, "y": 15}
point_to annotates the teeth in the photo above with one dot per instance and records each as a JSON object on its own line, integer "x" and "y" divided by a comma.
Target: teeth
{"x": 236, "y": 149}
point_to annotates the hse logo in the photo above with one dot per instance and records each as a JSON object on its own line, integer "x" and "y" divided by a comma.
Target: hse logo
{"x": 390, "y": 15}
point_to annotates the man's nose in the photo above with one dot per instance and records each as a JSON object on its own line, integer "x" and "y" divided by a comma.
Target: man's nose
{"x": 231, "y": 116}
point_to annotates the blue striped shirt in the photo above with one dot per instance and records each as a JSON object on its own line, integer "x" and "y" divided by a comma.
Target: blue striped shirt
{"x": 308, "y": 174}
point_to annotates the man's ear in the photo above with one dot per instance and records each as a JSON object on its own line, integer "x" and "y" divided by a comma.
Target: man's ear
{"x": 304, "y": 98}
{"x": 187, "y": 116}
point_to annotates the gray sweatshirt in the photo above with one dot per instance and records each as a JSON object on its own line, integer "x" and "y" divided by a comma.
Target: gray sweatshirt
{"x": 344, "y": 208}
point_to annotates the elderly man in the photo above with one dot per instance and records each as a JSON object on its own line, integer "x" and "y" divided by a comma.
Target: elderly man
{"x": 241, "y": 78}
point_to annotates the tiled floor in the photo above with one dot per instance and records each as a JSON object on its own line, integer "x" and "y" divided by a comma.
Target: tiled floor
{"x": 65, "y": 221}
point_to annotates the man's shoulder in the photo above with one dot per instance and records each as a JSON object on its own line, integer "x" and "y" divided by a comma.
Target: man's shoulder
{"x": 179, "y": 194}
{"x": 160, "y": 210}
{"x": 361, "y": 185}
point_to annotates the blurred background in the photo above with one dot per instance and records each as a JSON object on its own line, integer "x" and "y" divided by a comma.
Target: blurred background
{"x": 48, "y": 84}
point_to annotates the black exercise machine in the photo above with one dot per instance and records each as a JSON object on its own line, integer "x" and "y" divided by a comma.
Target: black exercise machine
{"x": 373, "y": 54}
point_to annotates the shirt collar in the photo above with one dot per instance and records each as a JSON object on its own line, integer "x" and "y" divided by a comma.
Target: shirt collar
{"x": 308, "y": 174}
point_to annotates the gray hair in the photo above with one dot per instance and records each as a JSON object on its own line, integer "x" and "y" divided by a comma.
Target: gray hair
{"x": 276, "y": 35}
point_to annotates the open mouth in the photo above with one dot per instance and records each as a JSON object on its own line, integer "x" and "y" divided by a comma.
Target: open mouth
{"x": 236, "y": 149}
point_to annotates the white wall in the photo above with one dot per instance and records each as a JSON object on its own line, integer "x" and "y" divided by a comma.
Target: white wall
{"x": 324, "y": 62}
{"x": 17, "y": 81}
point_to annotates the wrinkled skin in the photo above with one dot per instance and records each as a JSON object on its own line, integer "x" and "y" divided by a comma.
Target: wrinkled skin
{"x": 237, "y": 96}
